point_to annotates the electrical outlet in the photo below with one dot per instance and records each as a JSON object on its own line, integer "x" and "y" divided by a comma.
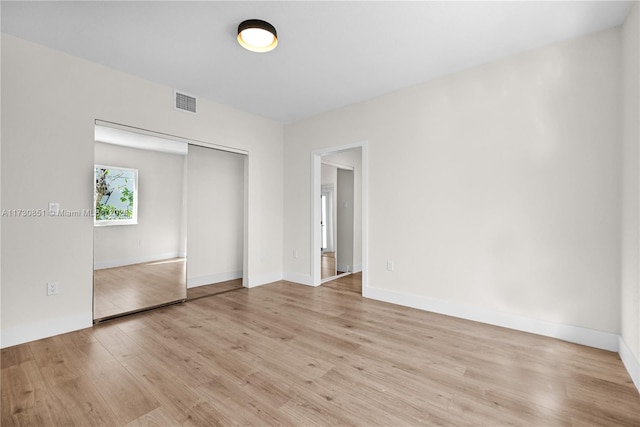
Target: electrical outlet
{"x": 295, "y": 254}
{"x": 390, "y": 265}
{"x": 52, "y": 288}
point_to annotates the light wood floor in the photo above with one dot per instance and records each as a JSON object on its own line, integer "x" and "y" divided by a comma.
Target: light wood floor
{"x": 213, "y": 289}
{"x": 286, "y": 354}
{"x": 133, "y": 287}
{"x": 327, "y": 265}
{"x": 350, "y": 283}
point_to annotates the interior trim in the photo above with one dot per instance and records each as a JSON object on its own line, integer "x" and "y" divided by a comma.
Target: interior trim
{"x": 575, "y": 334}
{"x": 630, "y": 362}
{"x": 155, "y": 134}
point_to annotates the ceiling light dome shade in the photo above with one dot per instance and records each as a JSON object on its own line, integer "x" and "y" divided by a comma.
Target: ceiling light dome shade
{"x": 257, "y": 36}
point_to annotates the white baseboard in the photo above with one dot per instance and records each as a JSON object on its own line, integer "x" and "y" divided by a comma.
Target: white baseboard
{"x": 630, "y": 362}
{"x": 344, "y": 267}
{"x": 193, "y": 282}
{"x": 100, "y": 265}
{"x": 37, "y": 330}
{"x": 263, "y": 279}
{"x": 301, "y": 279}
{"x": 357, "y": 268}
{"x": 575, "y": 334}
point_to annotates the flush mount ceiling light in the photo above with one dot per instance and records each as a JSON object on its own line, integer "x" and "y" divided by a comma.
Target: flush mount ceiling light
{"x": 257, "y": 36}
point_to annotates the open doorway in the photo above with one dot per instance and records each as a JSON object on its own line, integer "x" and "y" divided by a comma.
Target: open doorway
{"x": 328, "y": 226}
{"x": 338, "y": 215}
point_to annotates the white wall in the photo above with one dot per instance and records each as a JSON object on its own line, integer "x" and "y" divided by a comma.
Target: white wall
{"x": 344, "y": 218}
{"x": 496, "y": 190}
{"x": 630, "y": 287}
{"x": 215, "y": 212}
{"x": 158, "y": 233}
{"x": 1, "y": 203}
{"x": 50, "y": 101}
{"x": 329, "y": 177}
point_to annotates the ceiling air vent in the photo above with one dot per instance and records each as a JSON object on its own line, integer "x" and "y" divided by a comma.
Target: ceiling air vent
{"x": 185, "y": 102}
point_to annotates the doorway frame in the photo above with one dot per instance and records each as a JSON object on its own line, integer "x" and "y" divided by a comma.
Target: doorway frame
{"x": 329, "y": 189}
{"x": 316, "y": 238}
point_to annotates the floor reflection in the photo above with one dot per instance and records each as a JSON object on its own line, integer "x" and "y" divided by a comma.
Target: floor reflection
{"x": 122, "y": 290}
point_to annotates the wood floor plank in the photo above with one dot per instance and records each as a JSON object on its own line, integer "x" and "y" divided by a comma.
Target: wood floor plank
{"x": 15, "y": 355}
{"x": 609, "y": 402}
{"x": 156, "y": 418}
{"x": 382, "y": 406}
{"x": 116, "y": 341}
{"x": 312, "y": 412}
{"x": 197, "y": 367}
{"x": 176, "y": 396}
{"x": 257, "y": 408}
{"x": 216, "y": 414}
{"x": 55, "y": 362}
{"x": 85, "y": 357}
{"x": 126, "y": 394}
{"x": 78, "y": 338}
{"x": 78, "y": 402}
{"x": 25, "y": 396}
{"x": 285, "y": 354}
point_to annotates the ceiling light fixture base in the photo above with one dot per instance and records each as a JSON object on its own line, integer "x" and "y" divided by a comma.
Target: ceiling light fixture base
{"x": 257, "y": 35}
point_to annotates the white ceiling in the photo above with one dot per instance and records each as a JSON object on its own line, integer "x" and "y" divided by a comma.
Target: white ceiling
{"x": 330, "y": 54}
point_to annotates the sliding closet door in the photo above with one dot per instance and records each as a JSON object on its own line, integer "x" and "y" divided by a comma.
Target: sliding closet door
{"x": 139, "y": 232}
{"x": 215, "y": 218}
